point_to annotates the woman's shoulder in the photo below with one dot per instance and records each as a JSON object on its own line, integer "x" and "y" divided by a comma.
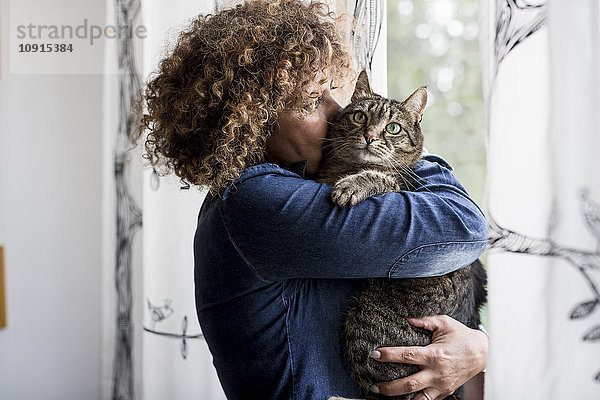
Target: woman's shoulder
{"x": 263, "y": 169}
{"x": 429, "y": 158}
{"x": 296, "y": 170}
{"x": 265, "y": 175}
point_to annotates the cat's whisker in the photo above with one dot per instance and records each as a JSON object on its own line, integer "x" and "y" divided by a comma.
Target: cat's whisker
{"x": 405, "y": 167}
{"x": 328, "y": 145}
{"x": 339, "y": 147}
{"x": 329, "y": 122}
{"x": 406, "y": 181}
{"x": 421, "y": 188}
{"x": 386, "y": 155}
{"x": 332, "y": 146}
{"x": 391, "y": 166}
{"x": 335, "y": 140}
{"x": 340, "y": 139}
{"x": 412, "y": 185}
{"x": 406, "y": 171}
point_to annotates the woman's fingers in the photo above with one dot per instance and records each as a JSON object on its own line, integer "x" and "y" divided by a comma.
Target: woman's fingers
{"x": 432, "y": 323}
{"x": 456, "y": 353}
{"x": 410, "y": 384}
{"x": 408, "y": 355}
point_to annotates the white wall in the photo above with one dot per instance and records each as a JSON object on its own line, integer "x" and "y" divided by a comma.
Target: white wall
{"x": 50, "y": 225}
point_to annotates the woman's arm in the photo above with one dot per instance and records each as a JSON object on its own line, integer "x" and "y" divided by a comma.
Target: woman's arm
{"x": 288, "y": 227}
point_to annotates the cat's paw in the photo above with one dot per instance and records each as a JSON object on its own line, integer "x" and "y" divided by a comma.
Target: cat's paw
{"x": 348, "y": 192}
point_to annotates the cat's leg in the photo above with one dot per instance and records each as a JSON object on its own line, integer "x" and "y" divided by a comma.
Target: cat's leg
{"x": 354, "y": 188}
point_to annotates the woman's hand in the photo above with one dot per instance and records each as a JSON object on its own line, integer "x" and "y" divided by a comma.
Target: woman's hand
{"x": 455, "y": 355}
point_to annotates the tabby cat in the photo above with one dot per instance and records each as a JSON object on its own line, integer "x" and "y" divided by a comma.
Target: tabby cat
{"x": 374, "y": 143}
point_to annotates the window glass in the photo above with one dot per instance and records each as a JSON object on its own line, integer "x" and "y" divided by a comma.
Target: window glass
{"x": 435, "y": 43}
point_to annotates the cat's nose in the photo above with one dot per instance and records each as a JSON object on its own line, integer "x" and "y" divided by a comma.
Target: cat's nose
{"x": 370, "y": 138}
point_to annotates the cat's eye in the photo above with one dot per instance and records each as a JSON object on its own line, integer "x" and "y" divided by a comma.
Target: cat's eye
{"x": 360, "y": 117}
{"x": 393, "y": 128}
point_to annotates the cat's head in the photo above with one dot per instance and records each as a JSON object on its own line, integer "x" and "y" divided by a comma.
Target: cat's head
{"x": 376, "y": 130}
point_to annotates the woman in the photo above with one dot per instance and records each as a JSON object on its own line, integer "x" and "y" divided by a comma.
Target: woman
{"x": 242, "y": 105}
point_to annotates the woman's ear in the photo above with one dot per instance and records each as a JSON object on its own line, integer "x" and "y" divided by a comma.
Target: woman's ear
{"x": 363, "y": 87}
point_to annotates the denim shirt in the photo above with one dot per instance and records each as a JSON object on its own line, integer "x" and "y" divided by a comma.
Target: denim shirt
{"x": 276, "y": 263}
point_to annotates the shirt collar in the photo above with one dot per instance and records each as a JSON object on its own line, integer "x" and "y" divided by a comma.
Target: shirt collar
{"x": 298, "y": 168}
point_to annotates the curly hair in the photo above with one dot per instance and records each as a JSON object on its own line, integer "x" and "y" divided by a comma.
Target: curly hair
{"x": 214, "y": 99}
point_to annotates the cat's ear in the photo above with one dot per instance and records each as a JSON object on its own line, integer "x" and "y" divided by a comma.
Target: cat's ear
{"x": 363, "y": 87}
{"x": 416, "y": 102}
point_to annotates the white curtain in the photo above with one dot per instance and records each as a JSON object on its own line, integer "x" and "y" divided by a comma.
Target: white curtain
{"x": 122, "y": 266}
{"x": 541, "y": 69}
{"x": 176, "y": 360}
{"x": 152, "y": 346}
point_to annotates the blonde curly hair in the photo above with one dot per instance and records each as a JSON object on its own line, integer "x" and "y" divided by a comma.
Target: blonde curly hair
{"x": 214, "y": 99}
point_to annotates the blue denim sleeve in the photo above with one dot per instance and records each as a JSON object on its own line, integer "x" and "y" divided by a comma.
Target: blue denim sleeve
{"x": 287, "y": 227}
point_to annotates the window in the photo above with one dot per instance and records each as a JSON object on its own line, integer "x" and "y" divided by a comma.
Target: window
{"x": 435, "y": 43}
